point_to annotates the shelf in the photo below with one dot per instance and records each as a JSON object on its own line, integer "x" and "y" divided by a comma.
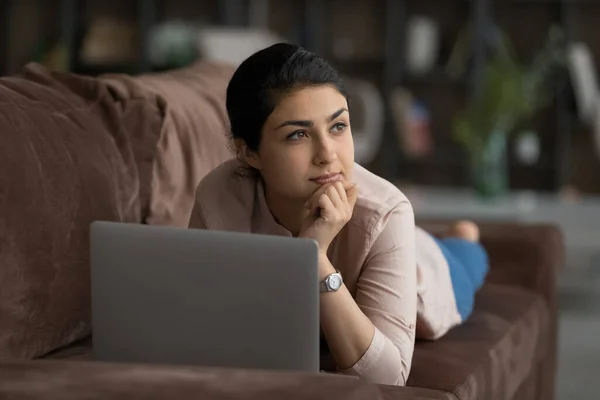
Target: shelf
{"x": 358, "y": 64}
{"x": 375, "y": 39}
{"x": 4, "y": 36}
{"x": 547, "y": 2}
{"x": 455, "y": 158}
{"x": 437, "y": 77}
{"x": 369, "y": 69}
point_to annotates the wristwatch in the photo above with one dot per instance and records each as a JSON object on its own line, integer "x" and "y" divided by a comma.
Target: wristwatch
{"x": 332, "y": 282}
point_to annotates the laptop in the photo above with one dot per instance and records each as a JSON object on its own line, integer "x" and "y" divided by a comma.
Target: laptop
{"x": 197, "y": 297}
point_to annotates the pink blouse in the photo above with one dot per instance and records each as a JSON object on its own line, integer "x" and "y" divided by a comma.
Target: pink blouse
{"x": 375, "y": 252}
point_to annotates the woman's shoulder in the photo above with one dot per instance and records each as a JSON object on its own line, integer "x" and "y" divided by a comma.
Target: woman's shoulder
{"x": 377, "y": 198}
{"x": 223, "y": 175}
{"x": 227, "y": 182}
{"x": 374, "y": 192}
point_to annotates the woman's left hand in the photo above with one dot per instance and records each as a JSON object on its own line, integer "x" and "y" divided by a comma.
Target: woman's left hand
{"x": 327, "y": 211}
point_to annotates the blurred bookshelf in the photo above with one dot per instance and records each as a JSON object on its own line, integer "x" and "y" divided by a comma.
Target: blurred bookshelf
{"x": 4, "y": 36}
{"x": 375, "y": 30}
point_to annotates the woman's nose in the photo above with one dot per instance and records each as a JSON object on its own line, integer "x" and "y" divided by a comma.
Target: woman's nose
{"x": 325, "y": 152}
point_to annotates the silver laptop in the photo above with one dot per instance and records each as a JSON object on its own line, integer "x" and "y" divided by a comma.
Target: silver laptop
{"x": 197, "y": 297}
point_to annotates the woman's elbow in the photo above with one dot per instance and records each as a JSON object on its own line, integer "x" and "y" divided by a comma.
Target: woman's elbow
{"x": 385, "y": 363}
{"x": 401, "y": 379}
{"x": 393, "y": 373}
{"x": 398, "y": 379}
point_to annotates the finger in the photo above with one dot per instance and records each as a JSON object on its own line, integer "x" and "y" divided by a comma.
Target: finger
{"x": 312, "y": 205}
{"x": 334, "y": 196}
{"x": 314, "y": 198}
{"x": 352, "y": 195}
{"x": 306, "y": 213}
{"x": 317, "y": 193}
{"x": 347, "y": 184}
{"x": 341, "y": 189}
{"x": 328, "y": 210}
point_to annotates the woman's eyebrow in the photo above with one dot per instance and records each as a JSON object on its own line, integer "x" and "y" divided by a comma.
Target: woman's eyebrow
{"x": 337, "y": 114}
{"x": 308, "y": 124}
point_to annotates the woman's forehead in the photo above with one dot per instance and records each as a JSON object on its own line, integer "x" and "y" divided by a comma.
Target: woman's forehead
{"x": 317, "y": 102}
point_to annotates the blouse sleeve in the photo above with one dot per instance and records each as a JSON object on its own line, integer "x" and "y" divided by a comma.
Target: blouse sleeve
{"x": 196, "y": 217}
{"x": 387, "y": 294}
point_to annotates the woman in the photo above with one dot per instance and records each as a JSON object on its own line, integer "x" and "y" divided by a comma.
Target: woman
{"x": 295, "y": 176}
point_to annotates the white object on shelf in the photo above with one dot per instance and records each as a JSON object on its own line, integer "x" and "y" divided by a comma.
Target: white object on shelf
{"x": 234, "y": 45}
{"x": 422, "y": 44}
{"x": 171, "y": 39}
{"x": 585, "y": 86}
{"x": 583, "y": 76}
{"x": 527, "y": 148}
{"x": 368, "y": 136}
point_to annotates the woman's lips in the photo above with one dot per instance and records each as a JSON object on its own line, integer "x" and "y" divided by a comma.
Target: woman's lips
{"x": 328, "y": 178}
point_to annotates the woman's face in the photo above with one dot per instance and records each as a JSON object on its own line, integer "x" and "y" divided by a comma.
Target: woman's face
{"x": 306, "y": 142}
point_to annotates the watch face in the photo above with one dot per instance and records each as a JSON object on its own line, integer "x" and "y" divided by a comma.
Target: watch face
{"x": 335, "y": 282}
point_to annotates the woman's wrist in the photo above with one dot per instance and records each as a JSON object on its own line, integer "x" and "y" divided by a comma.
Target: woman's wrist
{"x": 325, "y": 266}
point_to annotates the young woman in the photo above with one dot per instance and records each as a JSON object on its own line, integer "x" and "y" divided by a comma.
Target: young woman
{"x": 295, "y": 175}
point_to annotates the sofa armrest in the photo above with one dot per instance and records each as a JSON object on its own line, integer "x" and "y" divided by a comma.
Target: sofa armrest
{"x": 525, "y": 255}
{"x": 90, "y": 380}
{"x": 529, "y": 256}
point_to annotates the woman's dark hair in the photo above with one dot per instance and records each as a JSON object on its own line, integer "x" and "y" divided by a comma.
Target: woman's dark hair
{"x": 261, "y": 80}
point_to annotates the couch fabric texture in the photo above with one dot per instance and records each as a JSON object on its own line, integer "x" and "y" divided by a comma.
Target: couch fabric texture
{"x": 65, "y": 161}
{"x": 81, "y": 149}
{"x": 180, "y": 127}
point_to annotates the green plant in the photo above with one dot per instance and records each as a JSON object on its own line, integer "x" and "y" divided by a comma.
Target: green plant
{"x": 510, "y": 92}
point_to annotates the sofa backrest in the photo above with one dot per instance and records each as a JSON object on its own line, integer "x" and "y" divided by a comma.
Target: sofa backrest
{"x": 192, "y": 139}
{"x": 78, "y": 149}
{"x": 65, "y": 162}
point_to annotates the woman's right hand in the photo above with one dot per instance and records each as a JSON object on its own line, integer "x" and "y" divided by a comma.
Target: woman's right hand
{"x": 327, "y": 211}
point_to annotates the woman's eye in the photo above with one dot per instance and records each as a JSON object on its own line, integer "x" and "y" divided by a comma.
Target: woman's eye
{"x": 339, "y": 127}
{"x": 296, "y": 135}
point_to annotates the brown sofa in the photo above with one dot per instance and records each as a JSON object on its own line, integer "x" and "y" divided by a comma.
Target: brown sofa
{"x": 77, "y": 149}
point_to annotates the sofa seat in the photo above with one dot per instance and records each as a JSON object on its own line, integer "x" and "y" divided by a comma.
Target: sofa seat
{"x": 492, "y": 353}
{"x": 52, "y": 379}
{"x": 488, "y": 357}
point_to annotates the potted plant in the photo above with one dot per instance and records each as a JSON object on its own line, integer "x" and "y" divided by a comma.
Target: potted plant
{"x": 510, "y": 93}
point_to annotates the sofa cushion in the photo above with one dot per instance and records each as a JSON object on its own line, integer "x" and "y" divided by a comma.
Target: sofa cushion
{"x": 92, "y": 380}
{"x": 490, "y": 355}
{"x": 190, "y": 139}
{"x": 66, "y": 162}
{"x": 82, "y": 351}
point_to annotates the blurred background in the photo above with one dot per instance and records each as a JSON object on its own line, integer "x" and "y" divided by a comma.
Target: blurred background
{"x": 419, "y": 63}
{"x": 483, "y": 109}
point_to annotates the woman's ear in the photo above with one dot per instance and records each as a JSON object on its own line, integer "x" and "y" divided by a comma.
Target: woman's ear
{"x": 246, "y": 155}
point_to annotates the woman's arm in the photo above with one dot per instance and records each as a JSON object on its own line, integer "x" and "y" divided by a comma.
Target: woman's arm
{"x": 373, "y": 336}
{"x": 348, "y": 331}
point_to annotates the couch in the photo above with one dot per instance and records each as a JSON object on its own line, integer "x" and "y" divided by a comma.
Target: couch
{"x": 75, "y": 149}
